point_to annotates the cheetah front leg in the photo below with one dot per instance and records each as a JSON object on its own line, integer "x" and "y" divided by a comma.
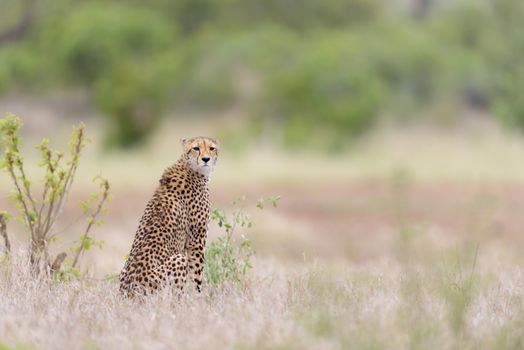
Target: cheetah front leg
{"x": 196, "y": 266}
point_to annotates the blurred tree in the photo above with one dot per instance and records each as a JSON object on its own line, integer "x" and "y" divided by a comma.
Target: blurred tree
{"x": 134, "y": 96}
{"x": 20, "y": 29}
{"x": 301, "y": 14}
{"x": 114, "y": 50}
{"x": 211, "y": 75}
{"x": 327, "y": 87}
{"x": 487, "y": 45}
{"x": 190, "y": 15}
{"x": 328, "y": 67}
{"x": 421, "y": 8}
{"x": 509, "y": 73}
{"x": 93, "y": 40}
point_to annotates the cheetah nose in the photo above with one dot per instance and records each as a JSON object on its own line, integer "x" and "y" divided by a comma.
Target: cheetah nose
{"x": 206, "y": 159}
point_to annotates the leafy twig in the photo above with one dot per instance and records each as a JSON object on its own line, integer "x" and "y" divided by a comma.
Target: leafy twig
{"x": 104, "y": 184}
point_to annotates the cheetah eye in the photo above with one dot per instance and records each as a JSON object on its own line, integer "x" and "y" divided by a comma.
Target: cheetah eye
{"x": 196, "y": 148}
{"x": 211, "y": 148}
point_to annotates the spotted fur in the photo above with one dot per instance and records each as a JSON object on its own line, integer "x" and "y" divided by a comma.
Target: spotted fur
{"x": 169, "y": 244}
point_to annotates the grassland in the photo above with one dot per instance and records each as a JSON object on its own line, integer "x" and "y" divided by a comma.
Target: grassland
{"x": 412, "y": 239}
{"x": 457, "y": 299}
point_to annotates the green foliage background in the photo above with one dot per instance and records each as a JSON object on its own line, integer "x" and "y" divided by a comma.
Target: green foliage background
{"x": 325, "y": 70}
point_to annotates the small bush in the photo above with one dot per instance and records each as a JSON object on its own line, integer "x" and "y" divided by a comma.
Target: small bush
{"x": 229, "y": 258}
{"x": 41, "y": 211}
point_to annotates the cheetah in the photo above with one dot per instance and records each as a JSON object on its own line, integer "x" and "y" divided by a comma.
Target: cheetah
{"x": 168, "y": 247}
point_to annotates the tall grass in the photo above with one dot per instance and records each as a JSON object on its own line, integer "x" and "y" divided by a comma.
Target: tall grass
{"x": 437, "y": 299}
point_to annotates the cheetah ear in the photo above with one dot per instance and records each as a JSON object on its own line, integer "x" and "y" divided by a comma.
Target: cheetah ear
{"x": 183, "y": 141}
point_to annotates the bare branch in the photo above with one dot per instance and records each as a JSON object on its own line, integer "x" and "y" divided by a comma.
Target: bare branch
{"x": 3, "y": 233}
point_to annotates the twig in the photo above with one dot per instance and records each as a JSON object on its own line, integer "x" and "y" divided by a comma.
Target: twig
{"x": 80, "y": 248}
{"x": 26, "y": 209}
{"x": 47, "y": 156}
{"x": 3, "y": 233}
{"x": 18, "y": 163}
{"x": 26, "y": 187}
{"x": 75, "y": 155}
{"x": 66, "y": 227}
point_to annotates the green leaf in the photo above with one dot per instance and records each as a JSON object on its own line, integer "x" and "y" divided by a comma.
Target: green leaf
{"x": 6, "y": 215}
{"x": 32, "y": 216}
{"x": 86, "y": 242}
{"x": 111, "y": 276}
{"x": 274, "y": 200}
{"x": 84, "y": 205}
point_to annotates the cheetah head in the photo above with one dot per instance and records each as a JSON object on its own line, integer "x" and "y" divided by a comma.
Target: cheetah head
{"x": 200, "y": 153}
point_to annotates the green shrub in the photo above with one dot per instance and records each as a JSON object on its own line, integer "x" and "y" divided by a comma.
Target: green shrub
{"x": 95, "y": 39}
{"x": 19, "y": 68}
{"x": 40, "y": 211}
{"x": 467, "y": 39}
{"x": 215, "y": 64}
{"x": 227, "y": 257}
{"x": 412, "y": 63}
{"x": 327, "y": 86}
{"x": 134, "y": 96}
{"x": 505, "y": 59}
{"x": 208, "y": 81}
{"x": 298, "y": 14}
{"x": 190, "y": 15}
{"x": 323, "y": 71}
{"x": 125, "y": 56}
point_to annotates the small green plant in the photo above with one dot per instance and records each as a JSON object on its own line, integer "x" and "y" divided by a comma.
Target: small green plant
{"x": 86, "y": 241}
{"x": 228, "y": 258}
{"x": 112, "y": 276}
{"x": 91, "y": 208}
{"x": 273, "y": 200}
{"x": 40, "y": 211}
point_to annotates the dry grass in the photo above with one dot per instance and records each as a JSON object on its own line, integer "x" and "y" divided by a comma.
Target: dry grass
{"x": 372, "y": 288}
{"x": 424, "y": 298}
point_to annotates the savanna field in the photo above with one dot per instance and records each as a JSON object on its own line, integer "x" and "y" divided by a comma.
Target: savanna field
{"x": 368, "y": 193}
{"x": 375, "y": 248}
